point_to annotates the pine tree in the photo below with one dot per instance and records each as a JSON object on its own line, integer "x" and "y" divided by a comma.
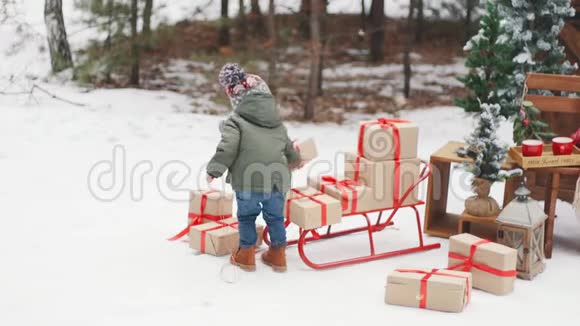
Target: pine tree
{"x": 527, "y": 125}
{"x": 491, "y": 66}
{"x": 533, "y": 27}
{"x": 484, "y": 146}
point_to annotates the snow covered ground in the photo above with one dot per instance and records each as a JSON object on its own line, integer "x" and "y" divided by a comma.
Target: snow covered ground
{"x": 73, "y": 253}
{"x": 69, "y": 258}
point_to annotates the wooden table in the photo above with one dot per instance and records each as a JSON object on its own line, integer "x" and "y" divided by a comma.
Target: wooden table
{"x": 550, "y": 196}
{"x": 438, "y": 221}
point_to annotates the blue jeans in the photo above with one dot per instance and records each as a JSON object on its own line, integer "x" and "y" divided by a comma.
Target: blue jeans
{"x": 271, "y": 205}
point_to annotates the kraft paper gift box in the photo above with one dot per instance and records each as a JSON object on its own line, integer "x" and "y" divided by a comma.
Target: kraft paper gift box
{"x": 441, "y": 290}
{"x": 307, "y": 149}
{"x": 493, "y": 265}
{"x": 310, "y": 209}
{"x": 377, "y": 142}
{"x": 353, "y": 197}
{"x": 218, "y": 238}
{"x": 380, "y": 176}
{"x": 218, "y": 205}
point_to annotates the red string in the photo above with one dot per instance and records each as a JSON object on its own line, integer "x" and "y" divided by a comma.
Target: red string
{"x": 468, "y": 262}
{"x": 425, "y": 280}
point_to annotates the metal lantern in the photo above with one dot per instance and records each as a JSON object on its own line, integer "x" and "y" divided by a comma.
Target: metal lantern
{"x": 521, "y": 226}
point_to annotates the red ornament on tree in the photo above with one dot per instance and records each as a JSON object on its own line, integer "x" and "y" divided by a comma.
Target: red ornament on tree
{"x": 526, "y": 122}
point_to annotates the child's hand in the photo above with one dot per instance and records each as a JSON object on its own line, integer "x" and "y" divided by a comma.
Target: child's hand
{"x": 209, "y": 179}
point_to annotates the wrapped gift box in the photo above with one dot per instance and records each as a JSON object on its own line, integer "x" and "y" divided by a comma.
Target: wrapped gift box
{"x": 218, "y": 238}
{"x": 380, "y": 176}
{"x": 441, "y": 290}
{"x": 354, "y": 197}
{"x": 218, "y": 205}
{"x": 493, "y": 265}
{"x": 377, "y": 139}
{"x": 310, "y": 209}
{"x": 307, "y": 149}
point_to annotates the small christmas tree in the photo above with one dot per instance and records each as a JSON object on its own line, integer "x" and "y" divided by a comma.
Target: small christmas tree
{"x": 490, "y": 60}
{"x": 488, "y": 153}
{"x": 528, "y": 126}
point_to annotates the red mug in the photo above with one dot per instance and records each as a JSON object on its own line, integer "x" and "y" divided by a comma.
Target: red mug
{"x": 532, "y": 147}
{"x": 562, "y": 146}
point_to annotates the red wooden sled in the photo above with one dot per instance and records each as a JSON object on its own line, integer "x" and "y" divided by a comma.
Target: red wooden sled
{"x": 370, "y": 228}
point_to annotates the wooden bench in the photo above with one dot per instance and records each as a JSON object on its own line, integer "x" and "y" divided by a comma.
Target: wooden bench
{"x": 563, "y": 116}
{"x": 466, "y": 221}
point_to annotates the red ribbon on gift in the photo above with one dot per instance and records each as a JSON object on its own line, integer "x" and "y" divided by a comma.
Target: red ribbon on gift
{"x": 301, "y": 195}
{"x": 344, "y": 186}
{"x": 425, "y": 280}
{"x": 468, "y": 262}
{"x": 197, "y": 219}
{"x": 202, "y": 247}
{"x": 384, "y": 123}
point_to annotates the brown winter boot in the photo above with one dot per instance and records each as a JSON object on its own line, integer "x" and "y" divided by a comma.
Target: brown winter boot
{"x": 245, "y": 259}
{"x": 275, "y": 258}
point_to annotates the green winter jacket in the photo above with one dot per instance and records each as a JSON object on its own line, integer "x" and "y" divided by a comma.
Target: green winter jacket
{"x": 255, "y": 148}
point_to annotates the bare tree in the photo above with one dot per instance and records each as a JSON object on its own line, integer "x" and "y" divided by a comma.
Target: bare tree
{"x": 315, "y": 56}
{"x": 224, "y": 31}
{"x": 135, "y": 46}
{"x": 256, "y": 18}
{"x": 363, "y": 15}
{"x": 147, "y": 12}
{"x": 272, "y": 33}
{"x": 60, "y": 55}
{"x": 407, "y": 55}
{"x": 420, "y": 29}
{"x": 469, "y": 7}
{"x": 377, "y": 20}
{"x": 242, "y": 21}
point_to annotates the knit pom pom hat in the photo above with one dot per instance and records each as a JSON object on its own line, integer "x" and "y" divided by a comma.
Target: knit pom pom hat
{"x": 231, "y": 75}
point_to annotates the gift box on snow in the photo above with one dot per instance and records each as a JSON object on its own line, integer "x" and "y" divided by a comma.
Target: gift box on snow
{"x": 433, "y": 289}
{"x": 389, "y": 180}
{"x": 493, "y": 265}
{"x": 310, "y": 208}
{"x": 353, "y": 196}
{"x": 209, "y": 205}
{"x": 388, "y": 139}
{"x": 218, "y": 238}
{"x": 307, "y": 149}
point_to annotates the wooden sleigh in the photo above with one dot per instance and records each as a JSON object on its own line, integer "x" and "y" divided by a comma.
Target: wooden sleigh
{"x": 308, "y": 236}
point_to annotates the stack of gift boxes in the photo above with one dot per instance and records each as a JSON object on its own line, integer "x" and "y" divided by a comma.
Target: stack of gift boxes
{"x": 473, "y": 263}
{"x": 376, "y": 177}
{"x": 211, "y": 227}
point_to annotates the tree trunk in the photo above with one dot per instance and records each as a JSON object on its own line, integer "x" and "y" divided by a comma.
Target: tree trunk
{"x": 363, "y": 16}
{"x": 60, "y": 55}
{"x": 256, "y": 18}
{"x": 407, "y": 56}
{"x": 109, "y": 40}
{"x": 377, "y": 21}
{"x": 272, "y": 33}
{"x": 322, "y": 28}
{"x": 135, "y": 46}
{"x": 147, "y": 12}
{"x": 242, "y": 21}
{"x": 224, "y": 30}
{"x": 315, "y": 8}
{"x": 304, "y": 19}
{"x": 420, "y": 21}
{"x": 470, "y": 5}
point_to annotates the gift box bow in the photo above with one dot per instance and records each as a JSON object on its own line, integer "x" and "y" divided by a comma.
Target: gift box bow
{"x": 344, "y": 186}
{"x": 197, "y": 219}
{"x": 468, "y": 262}
{"x": 423, "y": 291}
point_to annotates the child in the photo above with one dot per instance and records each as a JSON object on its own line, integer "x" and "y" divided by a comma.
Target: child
{"x": 258, "y": 154}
